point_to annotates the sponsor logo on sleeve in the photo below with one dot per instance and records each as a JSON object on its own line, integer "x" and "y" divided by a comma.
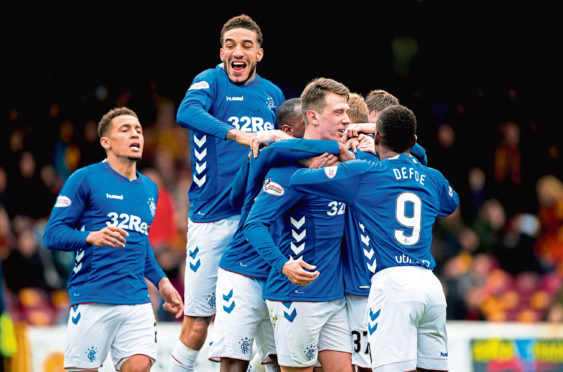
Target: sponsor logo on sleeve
{"x": 199, "y": 85}
{"x": 331, "y": 171}
{"x": 63, "y": 202}
{"x": 273, "y": 188}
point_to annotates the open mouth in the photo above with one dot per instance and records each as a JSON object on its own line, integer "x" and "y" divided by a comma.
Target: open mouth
{"x": 238, "y": 66}
{"x": 135, "y": 146}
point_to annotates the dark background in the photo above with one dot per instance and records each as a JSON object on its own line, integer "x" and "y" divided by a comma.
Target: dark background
{"x": 476, "y": 67}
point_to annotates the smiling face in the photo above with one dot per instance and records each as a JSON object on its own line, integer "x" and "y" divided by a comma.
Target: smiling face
{"x": 240, "y": 54}
{"x": 332, "y": 121}
{"x": 124, "y": 138}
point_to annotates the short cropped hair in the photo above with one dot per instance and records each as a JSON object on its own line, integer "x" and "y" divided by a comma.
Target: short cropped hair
{"x": 379, "y": 99}
{"x": 104, "y": 123}
{"x": 313, "y": 96}
{"x": 397, "y": 128}
{"x": 358, "y": 112}
{"x": 242, "y": 21}
{"x": 287, "y": 111}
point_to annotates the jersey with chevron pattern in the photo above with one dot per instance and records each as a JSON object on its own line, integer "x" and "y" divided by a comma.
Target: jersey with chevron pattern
{"x": 212, "y": 106}
{"x": 92, "y": 198}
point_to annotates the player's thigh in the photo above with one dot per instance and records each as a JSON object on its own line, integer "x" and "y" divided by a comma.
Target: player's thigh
{"x": 432, "y": 333}
{"x": 137, "y": 334}
{"x": 90, "y": 329}
{"x": 357, "y": 306}
{"x": 205, "y": 246}
{"x": 240, "y": 310}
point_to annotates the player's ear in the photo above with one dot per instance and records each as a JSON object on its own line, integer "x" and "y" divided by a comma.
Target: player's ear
{"x": 259, "y": 54}
{"x": 105, "y": 142}
{"x": 376, "y": 138}
{"x": 312, "y": 117}
{"x": 287, "y": 130}
{"x": 414, "y": 140}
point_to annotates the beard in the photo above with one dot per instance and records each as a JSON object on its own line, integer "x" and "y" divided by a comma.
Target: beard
{"x": 251, "y": 71}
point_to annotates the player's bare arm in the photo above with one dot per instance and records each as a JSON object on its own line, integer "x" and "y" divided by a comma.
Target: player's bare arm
{"x": 173, "y": 301}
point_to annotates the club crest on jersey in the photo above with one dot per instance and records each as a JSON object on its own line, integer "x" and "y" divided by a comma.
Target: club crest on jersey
{"x": 152, "y": 206}
{"x": 273, "y": 188}
{"x": 270, "y": 103}
{"x": 63, "y": 202}
{"x": 199, "y": 85}
{"x": 331, "y": 171}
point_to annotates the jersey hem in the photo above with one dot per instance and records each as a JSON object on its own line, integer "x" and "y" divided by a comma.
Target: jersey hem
{"x": 300, "y": 300}
{"x": 246, "y": 275}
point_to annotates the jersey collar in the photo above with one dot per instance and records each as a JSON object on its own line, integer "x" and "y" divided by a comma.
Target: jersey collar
{"x": 118, "y": 175}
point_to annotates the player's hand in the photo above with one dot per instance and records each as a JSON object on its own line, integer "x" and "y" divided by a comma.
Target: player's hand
{"x": 172, "y": 300}
{"x": 263, "y": 139}
{"x": 240, "y": 136}
{"x": 297, "y": 271}
{"x": 354, "y": 130}
{"x": 366, "y": 143}
{"x": 324, "y": 160}
{"x": 352, "y": 144}
{"x": 110, "y": 235}
{"x": 344, "y": 154}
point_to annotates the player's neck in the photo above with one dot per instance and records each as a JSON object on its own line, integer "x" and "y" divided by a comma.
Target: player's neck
{"x": 124, "y": 166}
{"x": 310, "y": 133}
{"x": 386, "y": 153}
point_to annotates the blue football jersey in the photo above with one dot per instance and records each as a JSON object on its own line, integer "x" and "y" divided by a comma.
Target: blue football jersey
{"x": 394, "y": 202}
{"x": 211, "y": 107}
{"x": 240, "y": 256}
{"x": 358, "y": 259}
{"x": 313, "y": 228}
{"x": 92, "y": 198}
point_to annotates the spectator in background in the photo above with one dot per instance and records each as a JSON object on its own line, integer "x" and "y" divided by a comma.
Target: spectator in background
{"x": 27, "y": 194}
{"x": 3, "y": 186}
{"x": 23, "y": 267}
{"x": 90, "y": 150}
{"x": 489, "y": 226}
{"x": 66, "y": 157}
{"x": 163, "y": 232}
{"x": 507, "y": 168}
{"x": 549, "y": 244}
{"x": 475, "y": 193}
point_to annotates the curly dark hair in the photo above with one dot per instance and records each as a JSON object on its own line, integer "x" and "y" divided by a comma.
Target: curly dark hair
{"x": 397, "y": 128}
{"x": 242, "y": 21}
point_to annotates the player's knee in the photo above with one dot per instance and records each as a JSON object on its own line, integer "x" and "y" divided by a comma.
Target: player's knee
{"x": 137, "y": 363}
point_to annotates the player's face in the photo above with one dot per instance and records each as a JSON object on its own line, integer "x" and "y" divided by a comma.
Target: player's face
{"x": 240, "y": 54}
{"x": 333, "y": 120}
{"x": 125, "y": 137}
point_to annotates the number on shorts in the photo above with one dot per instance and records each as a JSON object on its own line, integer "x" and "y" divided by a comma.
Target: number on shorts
{"x": 410, "y": 222}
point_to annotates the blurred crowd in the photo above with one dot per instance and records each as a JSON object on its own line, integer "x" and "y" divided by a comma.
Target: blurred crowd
{"x": 500, "y": 256}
